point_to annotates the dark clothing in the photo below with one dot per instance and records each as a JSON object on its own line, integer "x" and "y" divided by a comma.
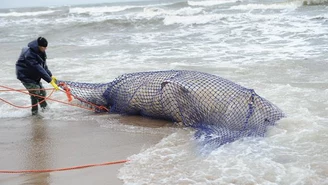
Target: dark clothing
{"x": 37, "y": 96}
{"x": 31, "y": 65}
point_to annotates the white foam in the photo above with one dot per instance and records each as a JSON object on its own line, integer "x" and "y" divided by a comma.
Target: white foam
{"x": 278, "y": 159}
{"x": 267, "y": 6}
{"x": 196, "y": 19}
{"x": 85, "y": 41}
{"x": 292, "y": 4}
{"x": 155, "y": 11}
{"x": 100, "y": 10}
{"x": 96, "y": 11}
{"x": 21, "y": 14}
{"x": 310, "y": 2}
{"x": 210, "y": 2}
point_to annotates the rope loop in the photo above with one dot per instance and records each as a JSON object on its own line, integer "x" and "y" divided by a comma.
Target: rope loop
{"x": 65, "y": 88}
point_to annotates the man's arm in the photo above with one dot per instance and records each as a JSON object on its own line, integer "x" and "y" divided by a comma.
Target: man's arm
{"x": 33, "y": 63}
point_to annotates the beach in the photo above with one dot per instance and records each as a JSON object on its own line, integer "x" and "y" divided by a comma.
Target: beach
{"x": 276, "y": 48}
{"x": 34, "y": 143}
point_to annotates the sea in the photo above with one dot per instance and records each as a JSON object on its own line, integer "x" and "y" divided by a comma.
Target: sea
{"x": 279, "y": 48}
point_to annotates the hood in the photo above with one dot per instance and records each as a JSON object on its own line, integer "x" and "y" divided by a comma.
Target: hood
{"x": 34, "y": 46}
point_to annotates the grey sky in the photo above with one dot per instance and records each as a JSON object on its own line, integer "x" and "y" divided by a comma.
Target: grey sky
{"x": 34, "y": 3}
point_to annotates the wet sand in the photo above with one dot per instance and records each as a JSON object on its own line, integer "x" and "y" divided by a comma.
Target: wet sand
{"x": 33, "y": 143}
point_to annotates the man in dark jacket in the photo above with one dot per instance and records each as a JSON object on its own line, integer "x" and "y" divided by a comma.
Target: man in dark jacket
{"x": 31, "y": 67}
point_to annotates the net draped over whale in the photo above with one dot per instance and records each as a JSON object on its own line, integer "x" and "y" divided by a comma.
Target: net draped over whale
{"x": 220, "y": 110}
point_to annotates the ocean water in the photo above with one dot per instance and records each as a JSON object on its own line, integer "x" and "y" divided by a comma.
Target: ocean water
{"x": 278, "y": 48}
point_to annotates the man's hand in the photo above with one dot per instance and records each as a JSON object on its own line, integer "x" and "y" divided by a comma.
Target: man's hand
{"x": 53, "y": 83}
{"x": 54, "y": 79}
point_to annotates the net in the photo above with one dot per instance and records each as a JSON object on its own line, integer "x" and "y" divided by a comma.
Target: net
{"x": 221, "y": 110}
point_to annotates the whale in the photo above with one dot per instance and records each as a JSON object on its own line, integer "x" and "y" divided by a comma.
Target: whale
{"x": 190, "y": 98}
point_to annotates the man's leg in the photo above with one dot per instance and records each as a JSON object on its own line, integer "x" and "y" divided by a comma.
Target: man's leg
{"x": 33, "y": 89}
{"x": 43, "y": 94}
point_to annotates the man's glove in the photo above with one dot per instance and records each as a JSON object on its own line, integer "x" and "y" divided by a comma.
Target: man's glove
{"x": 54, "y": 79}
{"x": 53, "y": 83}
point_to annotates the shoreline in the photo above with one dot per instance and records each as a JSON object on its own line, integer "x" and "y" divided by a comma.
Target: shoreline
{"x": 34, "y": 144}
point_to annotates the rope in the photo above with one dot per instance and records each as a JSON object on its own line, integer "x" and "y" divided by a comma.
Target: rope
{"x": 250, "y": 109}
{"x": 64, "y": 169}
{"x": 23, "y": 89}
{"x": 48, "y": 98}
{"x": 69, "y": 96}
{"x": 31, "y": 95}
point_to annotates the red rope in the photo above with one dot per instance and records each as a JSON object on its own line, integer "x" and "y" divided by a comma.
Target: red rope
{"x": 48, "y": 98}
{"x": 63, "y": 169}
{"x": 67, "y": 91}
{"x": 30, "y": 105}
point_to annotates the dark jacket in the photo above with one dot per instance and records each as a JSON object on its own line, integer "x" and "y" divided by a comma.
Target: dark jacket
{"x": 31, "y": 65}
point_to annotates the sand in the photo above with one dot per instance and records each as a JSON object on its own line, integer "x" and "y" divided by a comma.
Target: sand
{"x": 36, "y": 143}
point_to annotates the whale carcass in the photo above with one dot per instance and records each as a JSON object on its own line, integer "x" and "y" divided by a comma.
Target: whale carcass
{"x": 195, "y": 99}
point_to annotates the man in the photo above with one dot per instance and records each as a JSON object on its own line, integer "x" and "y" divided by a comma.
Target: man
{"x": 31, "y": 67}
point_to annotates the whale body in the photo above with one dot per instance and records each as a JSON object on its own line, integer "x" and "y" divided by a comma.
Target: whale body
{"x": 194, "y": 99}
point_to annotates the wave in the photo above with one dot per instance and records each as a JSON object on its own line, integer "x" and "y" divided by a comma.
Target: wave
{"x": 178, "y": 4}
{"x": 144, "y": 17}
{"x": 210, "y": 2}
{"x": 310, "y": 2}
{"x": 100, "y": 10}
{"x": 179, "y": 12}
{"x": 22, "y": 14}
{"x": 138, "y": 15}
{"x": 290, "y": 4}
{"x": 266, "y": 6}
{"x": 196, "y": 19}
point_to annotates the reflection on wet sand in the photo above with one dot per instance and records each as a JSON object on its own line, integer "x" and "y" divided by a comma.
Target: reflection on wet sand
{"x": 31, "y": 143}
{"x": 38, "y": 152}
{"x": 137, "y": 120}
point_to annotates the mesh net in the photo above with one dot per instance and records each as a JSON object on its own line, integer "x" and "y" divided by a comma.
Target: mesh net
{"x": 222, "y": 111}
